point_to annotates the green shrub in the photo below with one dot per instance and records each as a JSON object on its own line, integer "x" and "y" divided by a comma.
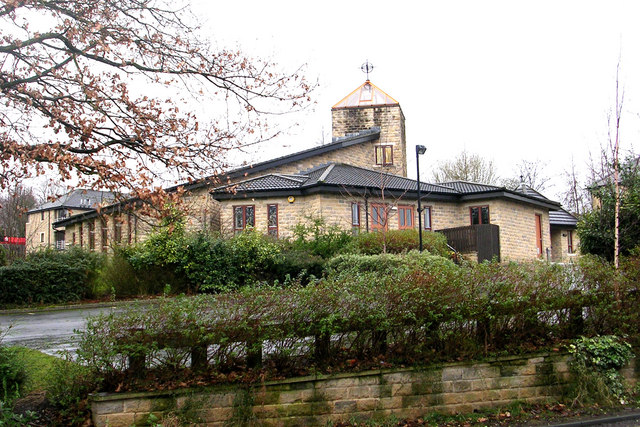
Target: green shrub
{"x": 201, "y": 262}
{"x": 68, "y": 387}
{"x": 398, "y": 241}
{"x": 318, "y": 238}
{"x": 344, "y": 267}
{"x": 388, "y": 308}
{"x": 12, "y": 373}
{"x": 595, "y": 366}
{"x": 50, "y": 276}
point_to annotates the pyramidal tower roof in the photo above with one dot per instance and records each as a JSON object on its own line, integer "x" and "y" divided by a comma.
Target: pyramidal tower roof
{"x": 367, "y": 94}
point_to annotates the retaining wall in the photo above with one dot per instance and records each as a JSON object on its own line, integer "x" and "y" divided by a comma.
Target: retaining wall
{"x": 317, "y": 400}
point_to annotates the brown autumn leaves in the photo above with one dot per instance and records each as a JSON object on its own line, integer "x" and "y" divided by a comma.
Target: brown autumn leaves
{"x": 100, "y": 92}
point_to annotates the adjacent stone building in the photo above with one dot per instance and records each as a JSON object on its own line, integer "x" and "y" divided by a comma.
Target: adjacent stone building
{"x": 41, "y": 233}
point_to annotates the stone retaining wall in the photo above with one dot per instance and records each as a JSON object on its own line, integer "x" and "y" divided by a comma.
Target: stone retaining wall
{"x": 317, "y": 400}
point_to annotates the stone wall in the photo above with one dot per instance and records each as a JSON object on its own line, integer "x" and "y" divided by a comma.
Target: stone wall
{"x": 388, "y": 118}
{"x": 518, "y": 229}
{"x": 318, "y": 400}
{"x": 560, "y": 244}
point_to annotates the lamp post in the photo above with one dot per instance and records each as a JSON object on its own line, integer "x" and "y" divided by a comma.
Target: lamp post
{"x": 420, "y": 149}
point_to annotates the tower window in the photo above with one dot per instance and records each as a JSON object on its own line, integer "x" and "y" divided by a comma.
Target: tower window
{"x": 384, "y": 155}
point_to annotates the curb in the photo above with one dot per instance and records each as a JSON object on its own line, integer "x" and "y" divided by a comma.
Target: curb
{"x": 78, "y": 306}
{"x": 599, "y": 421}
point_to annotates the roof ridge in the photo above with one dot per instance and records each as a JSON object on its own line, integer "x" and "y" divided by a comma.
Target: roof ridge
{"x": 327, "y": 171}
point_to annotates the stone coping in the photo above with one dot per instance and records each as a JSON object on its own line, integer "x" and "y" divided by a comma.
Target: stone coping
{"x": 109, "y": 396}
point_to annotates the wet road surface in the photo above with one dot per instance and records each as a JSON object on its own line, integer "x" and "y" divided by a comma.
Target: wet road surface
{"x": 47, "y": 331}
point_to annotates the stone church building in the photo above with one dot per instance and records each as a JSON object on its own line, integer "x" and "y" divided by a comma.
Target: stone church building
{"x": 358, "y": 182}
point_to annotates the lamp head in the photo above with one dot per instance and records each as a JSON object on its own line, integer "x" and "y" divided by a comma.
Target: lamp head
{"x": 421, "y": 149}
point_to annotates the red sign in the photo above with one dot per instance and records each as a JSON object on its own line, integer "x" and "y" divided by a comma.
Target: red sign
{"x": 6, "y": 240}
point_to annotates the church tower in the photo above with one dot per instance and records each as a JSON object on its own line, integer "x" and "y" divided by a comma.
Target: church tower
{"x": 370, "y": 107}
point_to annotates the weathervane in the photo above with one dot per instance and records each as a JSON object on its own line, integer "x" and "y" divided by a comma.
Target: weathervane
{"x": 367, "y": 67}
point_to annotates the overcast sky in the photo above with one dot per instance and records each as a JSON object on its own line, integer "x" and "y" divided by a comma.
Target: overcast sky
{"x": 509, "y": 80}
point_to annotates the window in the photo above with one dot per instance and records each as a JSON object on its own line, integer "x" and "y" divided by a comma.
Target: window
{"x": 378, "y": 217}
{"x": 60, "y": 213}
{"x": 384, "y": 155}
{"x": 243, "y": 217}
{"x": 117, "y": 230}
{"x": 405, "y": 217}
{"x": 272, "y": 220}
{"x": 355, "y": 217}
{"x": 92, "y": 235}
{"x": 569, "y": 242}
{"x": 366, "y": 94}
{"x": 426, "y": 220}
{"x": 42, "y": 216}
{"x": 129, "y": 229}
{"x": 104, "y": 234}
{"x": 81, "y": 232}
{"x": 479, "y": 214}
{"x": 41, "y": 237}
{"x": 73, "y": 238}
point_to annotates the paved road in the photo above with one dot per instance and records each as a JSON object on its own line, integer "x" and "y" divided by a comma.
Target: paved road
{"x": 47, "y": 331}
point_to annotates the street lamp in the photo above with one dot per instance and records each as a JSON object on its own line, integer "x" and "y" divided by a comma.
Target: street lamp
{"x": 420, "y": 149}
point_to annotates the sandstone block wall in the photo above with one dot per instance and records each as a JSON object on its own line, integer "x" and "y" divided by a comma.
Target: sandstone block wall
{"x": 517, "y": 222}
{"x": 321, "y": 399}
{"x": 390, "y": 120}
{"x": 560, "y": 245}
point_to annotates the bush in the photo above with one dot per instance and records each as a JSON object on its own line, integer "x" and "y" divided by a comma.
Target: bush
{"x": 201, "y": 262}
{"x": 595, "y": 365}
{"x": 345, "y": 267}
{"x": 398, "y": 241}
{"x": 68, "y": 388}
{"x": 318, "y": 238}
{"x": 12, "y": 373}
{"x": 50, "y": 277}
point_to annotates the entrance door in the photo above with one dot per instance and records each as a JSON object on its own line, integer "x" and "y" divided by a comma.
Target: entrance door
{"x": 539, "y": 234}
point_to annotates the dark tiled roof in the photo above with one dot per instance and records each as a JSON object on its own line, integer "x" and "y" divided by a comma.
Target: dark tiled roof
{"x": 562, "y": 218}
{"x": 79, "y": 199}
{"x": 470, "y": 187}
{"x": 334, "y": 174}
{"x": 525, "y": 189}
{"x": 337, "y": 143}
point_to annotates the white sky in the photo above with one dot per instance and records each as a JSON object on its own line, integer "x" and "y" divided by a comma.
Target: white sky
{"x": 509, "y": 80}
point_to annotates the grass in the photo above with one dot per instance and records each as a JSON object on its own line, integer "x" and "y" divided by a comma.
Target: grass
{"x": 37, "y": 365}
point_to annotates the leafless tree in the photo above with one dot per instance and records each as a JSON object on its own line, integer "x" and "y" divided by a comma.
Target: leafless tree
{"x": 467, "y": 167}
{"x": 14, "y": 204}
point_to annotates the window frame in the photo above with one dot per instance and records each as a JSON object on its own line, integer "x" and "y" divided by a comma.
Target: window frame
{"x": 569, "y": 241}
{"x": 92, "y": 235}
{"x": 42, "y": 237}
{"x": 379, "y": 208}
{"x": 480, "y": 208}
{"x": 117, "y": 230}
{"x": 384, "y": 161}
{"x": 426, "y": 209}
{"x": 355, "y": 215}
{"x": 244, "y": 217}
{"x": 104, "y": 234}
{"x": 402, "y": 216}
{"x": 272, "y": 230}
